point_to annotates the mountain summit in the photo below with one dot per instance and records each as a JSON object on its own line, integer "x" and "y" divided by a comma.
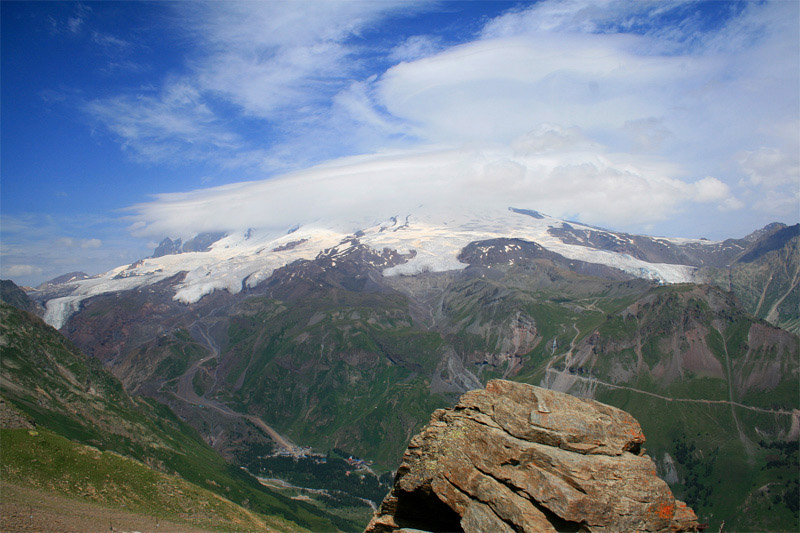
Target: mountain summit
{"x": 426, "y": 240}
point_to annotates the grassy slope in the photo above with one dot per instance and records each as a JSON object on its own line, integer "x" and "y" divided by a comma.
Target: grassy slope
{"x": 355, "y": 364}
{"x": 352, "y": 355}
{"x": 720, "y": 451}
{"x": 46, "y": 461}
{"x": 63, "y": 390}
{"x": 353, "y": 370}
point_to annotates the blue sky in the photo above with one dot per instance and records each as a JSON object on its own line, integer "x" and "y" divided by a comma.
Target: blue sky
{"x": 672, "y": 118}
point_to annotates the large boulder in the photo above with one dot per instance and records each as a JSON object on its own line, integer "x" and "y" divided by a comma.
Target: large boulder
{"x": 513, "y": 457}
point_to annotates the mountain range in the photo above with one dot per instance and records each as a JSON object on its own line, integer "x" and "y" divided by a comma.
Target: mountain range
{"x": 347, "y": 335}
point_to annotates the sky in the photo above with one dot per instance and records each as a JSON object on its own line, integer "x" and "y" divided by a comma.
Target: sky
{"x": 124, "y": 123}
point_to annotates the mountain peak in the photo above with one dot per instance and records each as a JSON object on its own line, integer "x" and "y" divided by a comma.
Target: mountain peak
{"x": 772, "y": 227}
{"x": 199, "y": 243}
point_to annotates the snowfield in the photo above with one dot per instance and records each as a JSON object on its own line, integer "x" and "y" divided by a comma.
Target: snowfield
{"x": 249, "y": 257}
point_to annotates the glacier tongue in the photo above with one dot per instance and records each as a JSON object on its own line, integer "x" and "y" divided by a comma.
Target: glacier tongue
{"x": 250, "y": 257}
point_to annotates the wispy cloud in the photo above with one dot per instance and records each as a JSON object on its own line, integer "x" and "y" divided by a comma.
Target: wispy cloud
{"x": 72, "y": 24}
{"x": 174, "y": 124}
{"x": 36, "y": 247}
{"x": 551, "y": 171}
{"x": 416, "y": 47}
{"x": 108, "y": 40}
{"x": 280, "y": 63}
{"x": 614, "y": 111}
{"x": 76, "y": 22}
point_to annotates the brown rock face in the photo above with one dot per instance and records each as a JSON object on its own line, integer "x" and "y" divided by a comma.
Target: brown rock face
{"x": 514, "y": 457}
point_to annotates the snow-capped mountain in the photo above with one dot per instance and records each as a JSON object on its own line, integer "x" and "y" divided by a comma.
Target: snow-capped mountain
{"x": 349, "y": 334}
{"x": 428, "y": 241}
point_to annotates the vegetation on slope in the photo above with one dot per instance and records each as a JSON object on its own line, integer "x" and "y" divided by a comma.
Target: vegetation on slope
{"x": 362, "y": 365}
{"x": 46, "y": 461}
{"x": 72, "y": 395}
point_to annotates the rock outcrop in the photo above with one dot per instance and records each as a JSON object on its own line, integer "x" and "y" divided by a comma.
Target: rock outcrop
{"x": 514, "y": 457}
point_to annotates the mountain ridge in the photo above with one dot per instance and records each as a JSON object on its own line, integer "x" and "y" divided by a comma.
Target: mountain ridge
{"x": 353, "y": 345}
{"x": 429, "y": 241}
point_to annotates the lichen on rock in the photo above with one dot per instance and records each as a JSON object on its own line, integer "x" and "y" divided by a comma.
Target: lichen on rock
{"x": 514, "y": 457}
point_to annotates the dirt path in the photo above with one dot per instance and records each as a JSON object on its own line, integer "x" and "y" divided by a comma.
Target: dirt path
{"x": 185, "y": 391}
{"x": 749, "y": 447}
{"x": 692, "y": 400}
{"x": 24, "y": 509}
{"x": 189, "y": 396}
{"x": 276, "y": 483}
{"x": 763, "y": 295}
{"x": 563, "y": 380}
{"x": 281, "y": 441}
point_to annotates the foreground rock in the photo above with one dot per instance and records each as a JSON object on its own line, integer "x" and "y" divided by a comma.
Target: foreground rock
{"x": 515, "y": 457}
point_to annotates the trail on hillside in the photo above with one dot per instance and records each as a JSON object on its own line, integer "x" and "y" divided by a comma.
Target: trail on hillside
{"x": 763, "y": 296}
{"x": 185, "y": 391}
{"x": 670, "y": 399}
{"x": 277, "y": 483}
{"x": 563, "y": 379}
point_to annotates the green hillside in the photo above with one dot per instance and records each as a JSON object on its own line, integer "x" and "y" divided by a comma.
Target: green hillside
{"x": 48, "y": 462}
{"x": 358, "y": 363}
{"x": 75, "y": 397}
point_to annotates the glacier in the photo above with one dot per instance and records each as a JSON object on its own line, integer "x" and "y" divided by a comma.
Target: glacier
{"x": 249, "y": 257}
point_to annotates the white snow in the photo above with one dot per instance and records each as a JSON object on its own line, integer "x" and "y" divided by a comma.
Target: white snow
{"x": 437, "y": 237}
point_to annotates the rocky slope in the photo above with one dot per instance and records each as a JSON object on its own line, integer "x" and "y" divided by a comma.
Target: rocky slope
{"x": 16, "y": 297}
{"x": 514, "y": 457}
{"x": 765, "y": 277}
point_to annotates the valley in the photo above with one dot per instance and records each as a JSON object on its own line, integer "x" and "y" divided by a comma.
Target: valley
{"x": 335, "y": 351}
{"x": 384, "y": 266}
{"x": 185, "y": 391}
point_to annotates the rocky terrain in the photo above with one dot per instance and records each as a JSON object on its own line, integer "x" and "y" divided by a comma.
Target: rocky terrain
{"x": 352, "y": 346}
{"x": 513, "y": 457}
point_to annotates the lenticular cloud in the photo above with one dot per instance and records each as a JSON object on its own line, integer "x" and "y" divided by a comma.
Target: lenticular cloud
{"x": 553, "y": 170}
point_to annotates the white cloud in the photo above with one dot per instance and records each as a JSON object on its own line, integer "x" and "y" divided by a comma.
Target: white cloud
{"x": 108, "y": 40}
{"x": 172, "y": 125}
{"x": 276, "y": 62}
{"x": 552, "y": 138}
{"x": 354, "y": 192}
{"x": 48, "y": 246}
{"x": 415, "y": 47}
{"x": 771, "y": 167}
{"x": 500, "y": 88}
{"x": 592, "y": 97}
{"x": 646, "y": 134}
{"x": 91, "y": 243}
{"x": 584, "y": 16}
{"x": 69, "y": 242}
{"x": 629, "y": 77}
{"x": 76, "y": 22}
{"x": 17, "y": 271}
{"x": 780, "y": 203}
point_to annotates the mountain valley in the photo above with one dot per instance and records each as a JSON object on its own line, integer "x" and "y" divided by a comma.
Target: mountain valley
{"x": 267, "y": 343}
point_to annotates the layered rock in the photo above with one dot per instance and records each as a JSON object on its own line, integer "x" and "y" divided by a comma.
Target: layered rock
{"x": 513, "y": 457}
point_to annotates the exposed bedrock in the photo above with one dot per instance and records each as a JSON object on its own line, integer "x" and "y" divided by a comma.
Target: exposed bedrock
{"x": 513, "y": 457}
